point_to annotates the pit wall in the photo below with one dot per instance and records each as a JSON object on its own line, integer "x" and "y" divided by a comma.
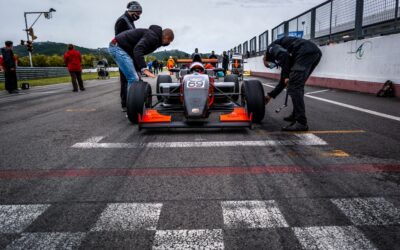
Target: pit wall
{"x": 362, "y": 65}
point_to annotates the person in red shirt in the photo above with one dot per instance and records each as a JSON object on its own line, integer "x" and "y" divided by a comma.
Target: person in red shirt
{"x": 9, "y": 66}
{"x": 73, "y": 60}
{"x": 1, "y": 63}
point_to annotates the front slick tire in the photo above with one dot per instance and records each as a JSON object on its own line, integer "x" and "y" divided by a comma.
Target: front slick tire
{"x": 139, "y": 98}
{"x": 254, "y": 99}
{"x": 235, "y": 79}
{"x": 162, "y": 79}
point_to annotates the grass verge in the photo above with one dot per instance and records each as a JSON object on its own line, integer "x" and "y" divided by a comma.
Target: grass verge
{"x": 55, "y": 80}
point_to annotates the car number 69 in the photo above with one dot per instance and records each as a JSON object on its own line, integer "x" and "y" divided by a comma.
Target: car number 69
{"x": 197, "y": 85}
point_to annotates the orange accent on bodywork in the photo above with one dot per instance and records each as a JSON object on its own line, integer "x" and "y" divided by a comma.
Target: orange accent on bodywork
{"x": 202, "y": 60}
{"x": 236, "y": 64}
{"x": 152, "y": 116}
{"x": 211, "y": 97}
{"x": 237, "y": 115}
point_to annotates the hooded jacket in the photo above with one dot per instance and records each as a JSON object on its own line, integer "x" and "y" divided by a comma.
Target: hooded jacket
{"x": 124, "y": 23}
{"x": 286, "y": 50}
{"x": 140, "y": 42}
{"x": 73, "y": 59}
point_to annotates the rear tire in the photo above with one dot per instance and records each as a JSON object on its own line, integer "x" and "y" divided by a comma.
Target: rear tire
{"x": 139, "y": 98}
{"x": 162, "y": 79}
{"x": 253, "y": 98}
{"x": 235, "y": 79}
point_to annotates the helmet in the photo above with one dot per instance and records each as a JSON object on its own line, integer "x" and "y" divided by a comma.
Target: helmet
{"x": 134, "y": 7}
{"x": 197, "y": 67}
{"x": 273, "y": 52}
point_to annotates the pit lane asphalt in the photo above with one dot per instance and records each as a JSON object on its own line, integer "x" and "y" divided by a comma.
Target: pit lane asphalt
{"x": 39, "y": 127}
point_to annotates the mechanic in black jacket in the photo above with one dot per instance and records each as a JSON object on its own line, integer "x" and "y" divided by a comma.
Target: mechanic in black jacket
{"x": 10, "y": 68}
{"x": 225, "y": 62}
{"x": 124, "y": 23}
{"x": 129, "y": 48}
{"x": 213, "y": 56}
{"x": 297, "y": 58}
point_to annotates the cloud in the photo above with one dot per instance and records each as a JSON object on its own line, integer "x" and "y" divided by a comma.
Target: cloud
{"x": 207, "y": 24}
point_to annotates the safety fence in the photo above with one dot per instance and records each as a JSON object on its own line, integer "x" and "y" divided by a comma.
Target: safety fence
{"x": 333, "y": 21}
{"x": 27, "y": 73}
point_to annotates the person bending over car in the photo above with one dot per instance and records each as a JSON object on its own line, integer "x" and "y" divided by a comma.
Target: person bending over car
{"x": 129, "y": 48}
{"x": 297, "y": 58}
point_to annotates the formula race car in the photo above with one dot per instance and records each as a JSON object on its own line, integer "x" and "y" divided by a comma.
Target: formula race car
{"x": 196, "y": 97}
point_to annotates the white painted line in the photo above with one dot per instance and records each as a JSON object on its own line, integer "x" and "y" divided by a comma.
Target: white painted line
{"x": 269, "y": 85}
{"x": 94, "y": 139}
{"x": 252, "y": 214}
{"x": 371, "y": 112}
{"x": 332, "y": 238}
{"x": 369, "y": 211}
{"x": 129, "y": 217}
{"x": 15, "y": 218}
{"x": 302, "y": 140}
{"x": 188, "y": 239}
{"x": 319, "y": 91}
{"x": 47, "y": 241}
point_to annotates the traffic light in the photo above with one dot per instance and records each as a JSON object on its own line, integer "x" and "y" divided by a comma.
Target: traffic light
{"x": 32, "y": 34}
{"x": 29, "y": 46}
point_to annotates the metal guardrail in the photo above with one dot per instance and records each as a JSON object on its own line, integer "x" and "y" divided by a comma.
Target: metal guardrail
{"x": 27, "y": 73}
{"x": 336, "y": 21}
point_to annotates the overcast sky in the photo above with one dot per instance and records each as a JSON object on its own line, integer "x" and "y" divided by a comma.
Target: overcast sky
{"x": 207, "y": 24}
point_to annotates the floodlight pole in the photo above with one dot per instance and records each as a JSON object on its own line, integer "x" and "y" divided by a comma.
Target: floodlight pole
{"x": 40, "y": 13}
{"x": 27, "y": 38}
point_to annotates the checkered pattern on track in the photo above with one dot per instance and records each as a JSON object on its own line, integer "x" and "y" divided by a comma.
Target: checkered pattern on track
{"x": 343, "y": 223}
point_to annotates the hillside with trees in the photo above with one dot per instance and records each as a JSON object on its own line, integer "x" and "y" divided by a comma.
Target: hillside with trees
{"x": 50, "y": 54}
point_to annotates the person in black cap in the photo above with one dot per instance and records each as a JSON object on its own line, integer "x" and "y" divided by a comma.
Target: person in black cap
{"x": 9, "y": 66}
{"x": 124, "y": 23}
{"x": 298, "y": 58}
{"x": 225, "y": 62}
{"x": 213, "y": 56}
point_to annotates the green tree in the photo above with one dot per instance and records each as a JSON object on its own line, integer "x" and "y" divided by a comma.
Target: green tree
{"x": 55, "y": 61}
{"x": 87, "y": 60}
{"x": 23, "y": 61}
{"x": 39, "y": 61}
{"x": 150, "y": 58}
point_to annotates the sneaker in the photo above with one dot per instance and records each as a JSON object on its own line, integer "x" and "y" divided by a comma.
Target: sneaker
{"x": 289, "y": 118}
{"x": 295, "y": 127}
{"x": 124, "y": 109}
{"x": 83, "y": 89}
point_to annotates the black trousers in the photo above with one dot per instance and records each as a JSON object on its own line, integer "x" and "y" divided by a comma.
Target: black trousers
{"x": 11, "y": 83}
{"x": 225, "y": 69}
{"x": 124, "y": 88}
{"x": 301, "y": 71}
{"x": 76, "y": 77}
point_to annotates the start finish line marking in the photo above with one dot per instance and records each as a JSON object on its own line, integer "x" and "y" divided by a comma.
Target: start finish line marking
{"x": 299, "y": 139}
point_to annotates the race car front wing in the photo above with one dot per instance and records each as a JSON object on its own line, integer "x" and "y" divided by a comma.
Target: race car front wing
{"x": 238, "y": 118}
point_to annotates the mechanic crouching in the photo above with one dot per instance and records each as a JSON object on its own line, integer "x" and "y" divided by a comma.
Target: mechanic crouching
{"x": 298, "y": 58}
{"x": 129, "y": 48}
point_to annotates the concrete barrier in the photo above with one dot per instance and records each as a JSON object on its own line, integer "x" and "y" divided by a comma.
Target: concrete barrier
{"x": 362, "y": 65}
